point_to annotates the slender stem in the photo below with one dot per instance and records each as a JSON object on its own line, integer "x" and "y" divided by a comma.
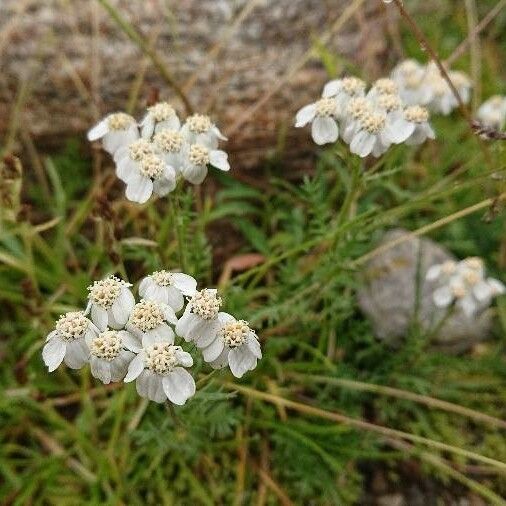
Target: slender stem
{"x": 172, "y": 411}
{"x": 177, "y": 218}
{"x": 362, "y": 424}
{"x": 149, "y": 51}
{"x": 432, "y": 335}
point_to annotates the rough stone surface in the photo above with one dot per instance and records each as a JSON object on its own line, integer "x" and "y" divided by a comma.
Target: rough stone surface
{"x": 389, "y": 294}
{"x": 77, "y": 65}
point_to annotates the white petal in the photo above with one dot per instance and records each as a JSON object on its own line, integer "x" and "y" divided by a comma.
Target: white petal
{"x": 53, "y": 353}
{"x": 126, "y": 169}
{"x": 213, "y": 351}
{"x": 99, "y": 317}
{"x": 241, "y": 360}
{"x": 468, "y": 306}
{"x": 123, "y": 306}
{"x": 130, "y": 342}
{"x": 99, "y": 130}
{"x": 77, "y": 354}
{"x": 155, "y": 389}
{"x": 205, "y": 332}
{"x": 169, "y": 314}
{"x": 100, "y": 369}
{"x": 161, "y": 334}
{"x": 135, "y": 367}
{"x": 218, "y": 134}
{"x": 331, "y": 88}
{"x": 222, "y": 360}
{"x": 186, "y": 323}
{"x": 174, "y": 298}
{"x": 442, "y": 297}
{"x": 483, "y": 291}
{"x": 433, "y": 272}
{"x": 195, "y": 174}
{"x": 142, "y": 383}
{"x": 362, "y": 144}
{"x": 53, "y": 333}
{"x": 497, "y": 287}
{"x": 305, "y": 115}
{"x": 178, "y": 386}
{"x": 225, "y": 318}
{"x": 219, "y": 159}
{"x": 165, "y": 184}
{"x": 185, "y": 283}
{"x": 254, "y": 346}
{"x": 156, "y": 293}
{"x": 119, "y": 366}
{"x": 145, "y": 283}
{"x": 398, "y": 131}
{"x": 184, "y": 358}
{"x": 148, "y": 126}
{"x": 324, "y": 130}
{"x": 139, "y": 189}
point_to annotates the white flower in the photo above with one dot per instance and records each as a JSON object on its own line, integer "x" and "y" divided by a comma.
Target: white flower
{"x": 115, "y": 130}
{"x": 168, "y": 288}
{"x": 371, "y": 135}
{"x": 411, "y": 127}
{"x": 199, "y": 129}
{"x": 158, "y": 375}
{"x": 169, "y": 145}
{"x": 68, "y": 341}
{"x": 382, "y": 87}
{"x": 199, "y": 322}
{"x": 160, "y": 116}
{"x": 148, "y": 319}
{"x": 342, "y": 90}
{"x": 409, "y": 76}
{"x": 147, "y": 176}
{"x": 442, "y": 99}
{"x": 356, "y": 109}
{"x": 196, "y": 159}
{"x": 111, "y": 352}
{"x": 236, "y": 344}
{"x": 464, "y": 284}
{"x": 323, "y": 118}
{"x": 110, "y": 302}
{"x": 492, "y": 113}
{"x": 128, "y": 157}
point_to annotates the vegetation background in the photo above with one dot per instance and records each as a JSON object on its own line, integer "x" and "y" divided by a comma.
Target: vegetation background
{"x": 285, "y": 240}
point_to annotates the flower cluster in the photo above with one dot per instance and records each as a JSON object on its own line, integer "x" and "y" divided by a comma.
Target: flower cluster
{"x": 464, "y": 285}
{"x": 152, "y": 155}
{"x": 425, "y": 86}
{"x": 369, "y": 121}
{"x": 125, "y": 340}
{"x": 492, "y": 113}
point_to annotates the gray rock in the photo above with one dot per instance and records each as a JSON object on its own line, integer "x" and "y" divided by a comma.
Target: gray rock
{"x": 390, "y": 289}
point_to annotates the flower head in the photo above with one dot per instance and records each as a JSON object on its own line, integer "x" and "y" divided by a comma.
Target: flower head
{"x": 199, "y": 129}
{"x": 115, "y": 130}
{"x": 67, "y": 342}
{"x": 323, "y": 118}
{"x": 160, "y": 116}
{"x": 492, "y": 113}
{"x": 197, "y": 157}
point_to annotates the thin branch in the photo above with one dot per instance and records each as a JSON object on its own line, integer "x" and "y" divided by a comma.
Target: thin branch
{"x": 150, "y": 52}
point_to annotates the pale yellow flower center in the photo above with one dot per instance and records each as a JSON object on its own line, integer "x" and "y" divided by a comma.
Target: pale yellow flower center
{"x": 199, "y": 123}
{"x": 161, "y": 358}
{"x": 205, "y": 304}
{"x": 353, "y": 86}
{"x": 389, "y": 103}
{"x": 161, "y": 111}
{"x": 146, "y": 315}
{"x": 162, "y": 278}
{"x": 106, "y": 345}
{"x": 169, "y": 141}
{"x": 151, "y": 166}
{"x": 385, "y": 86}
{"x": 104, "y": 293}
{"x": 416, "y": 114}
{"x": 119, "y": 121}
{"x": 235, "y": 334}
{"x": 326, "y": 107}
{"x": 448, "y": 267}
{"x": 358, "y": 107}
{"x": 139, "y": 149}
{"x": 373, "y": 122}
{"x": 71, "y": 326}
{"x": 199, "y": 155}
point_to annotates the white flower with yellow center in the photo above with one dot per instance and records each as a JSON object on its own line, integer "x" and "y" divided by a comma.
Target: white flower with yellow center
{"x": 115, "y": 130}
{"x": 158, "y": 374}
{"x": 356, "y": 109}
{"x": 197, "y": 157}
{"x": 492, "y": 113}
{"x": 147, "y": 176}
{"x": 111, "y": 352}
{"x": 68, "y": 341}
{"x": 371, "y": 136}
{"x": 199, "y": 129}
{"x": 169, "y": 145}
{"x": 409, "y": 76}
{"x": 110, "y": 302}
{"x": 199, "y": 322}
{"x": 342, "y": 90}
{"x": 159, "y": 117}
{"x": 411, "y": 127}
{"x": 236, "y": 344}
{"x": 128, "y": 158}
{"x": 148, "y": 319}
{"x": 168, "y": 288}
{"x": 464, "y": 284}
{"x": 323, "y": 118}
{"x": 381, "y": 87}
